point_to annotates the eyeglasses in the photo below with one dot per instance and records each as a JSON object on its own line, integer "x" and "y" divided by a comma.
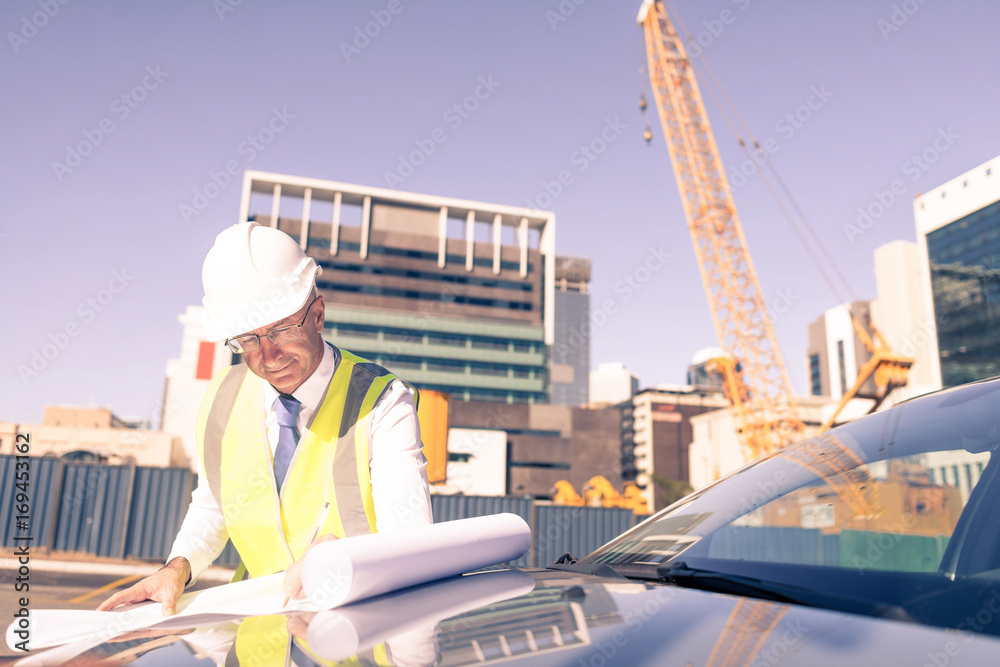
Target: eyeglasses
{"x": 280, "y": 336}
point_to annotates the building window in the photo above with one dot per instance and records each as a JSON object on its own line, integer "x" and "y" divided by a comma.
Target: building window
{"x": 843, "y": 367}
{"x": 815, "y": 382}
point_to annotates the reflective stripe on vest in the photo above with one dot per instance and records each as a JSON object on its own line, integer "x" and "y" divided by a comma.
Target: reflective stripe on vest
{"x": 267, "y": 532}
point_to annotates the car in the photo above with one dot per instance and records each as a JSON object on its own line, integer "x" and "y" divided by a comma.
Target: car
{"x": 877, "y": 542}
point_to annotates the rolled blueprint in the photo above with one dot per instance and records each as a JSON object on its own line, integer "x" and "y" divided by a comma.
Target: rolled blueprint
{"x": 342, "y": 571}
{"x": 335, "y": 572}
{"x": 337, "y": 634}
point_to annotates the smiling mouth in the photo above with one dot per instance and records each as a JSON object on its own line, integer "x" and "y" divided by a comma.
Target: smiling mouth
{"x": 279, "y": 370}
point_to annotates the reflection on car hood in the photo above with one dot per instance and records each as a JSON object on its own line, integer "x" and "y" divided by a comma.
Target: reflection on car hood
{"x": 572, "y": 619}
{"x": 547, "y": 617}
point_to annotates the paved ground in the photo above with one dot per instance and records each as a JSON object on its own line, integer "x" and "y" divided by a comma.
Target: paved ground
{"x": 73, "y": 584}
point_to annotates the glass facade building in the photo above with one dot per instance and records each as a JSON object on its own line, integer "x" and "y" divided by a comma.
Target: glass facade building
{"x": 964, "y": 259}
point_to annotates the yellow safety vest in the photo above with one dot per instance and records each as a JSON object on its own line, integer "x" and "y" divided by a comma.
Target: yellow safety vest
{"x": 331, "y": 463}
{"x": 264, "y": 641}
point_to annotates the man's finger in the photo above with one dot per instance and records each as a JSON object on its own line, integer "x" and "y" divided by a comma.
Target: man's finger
{"x": 114, "y": 600}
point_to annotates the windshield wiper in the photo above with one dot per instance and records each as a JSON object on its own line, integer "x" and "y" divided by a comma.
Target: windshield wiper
{"x": 679, "y": 574}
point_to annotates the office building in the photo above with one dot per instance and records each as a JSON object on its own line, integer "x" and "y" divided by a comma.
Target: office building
{"x": 453, "y": 295}
{"x": 958, "y": 232}
{"x": 538, "y": 445}
{"x": 570, "y": 367}
{"x": 656, "y": 434}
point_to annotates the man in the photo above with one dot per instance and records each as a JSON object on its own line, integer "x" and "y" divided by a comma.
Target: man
{"x": 313, "y": 443}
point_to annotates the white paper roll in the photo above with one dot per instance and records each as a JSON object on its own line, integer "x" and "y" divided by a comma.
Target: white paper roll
{"x": 342, "y": 571}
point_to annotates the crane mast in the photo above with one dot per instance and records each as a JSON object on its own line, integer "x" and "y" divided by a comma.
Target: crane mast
{"x": 755, "y": 379}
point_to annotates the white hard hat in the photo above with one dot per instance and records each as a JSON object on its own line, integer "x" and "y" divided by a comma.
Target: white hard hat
{"x": 254, "y": 276}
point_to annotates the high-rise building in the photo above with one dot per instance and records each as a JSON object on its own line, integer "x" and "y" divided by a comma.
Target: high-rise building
{"x": 958, "y": 231}
{"x": 570, "y": 383}
{"x": 656, "y": 435}
{"x": 900, "y": 314}
{"x": 454, "y": 295}
{"x": 612, "y": 383}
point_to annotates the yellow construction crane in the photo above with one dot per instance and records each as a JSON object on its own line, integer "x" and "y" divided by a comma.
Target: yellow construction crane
{"x": 755, "y": 380}
{"x": 754, "y": 377}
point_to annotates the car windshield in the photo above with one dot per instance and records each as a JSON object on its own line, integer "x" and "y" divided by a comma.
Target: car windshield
{"x": 898, "y": 508}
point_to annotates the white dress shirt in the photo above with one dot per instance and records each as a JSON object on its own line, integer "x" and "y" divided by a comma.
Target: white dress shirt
{"x": 397, "y": 465}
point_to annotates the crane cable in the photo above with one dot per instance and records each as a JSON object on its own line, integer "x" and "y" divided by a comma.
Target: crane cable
{"x": 770, "y": 166}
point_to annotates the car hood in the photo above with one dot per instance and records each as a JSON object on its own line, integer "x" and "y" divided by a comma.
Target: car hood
{"x": 550, "y": 617}
{"x": 553, "y": 617}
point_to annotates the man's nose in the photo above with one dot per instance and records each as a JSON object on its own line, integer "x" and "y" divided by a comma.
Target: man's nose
{"x": 268, "y": 350}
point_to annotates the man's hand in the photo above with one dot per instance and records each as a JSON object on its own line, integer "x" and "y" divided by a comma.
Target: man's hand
{"x": 293, "y": 574}
{"x": 165, "y": 585}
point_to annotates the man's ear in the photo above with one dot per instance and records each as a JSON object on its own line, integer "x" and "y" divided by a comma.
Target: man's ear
{"x": 320, "y": 314}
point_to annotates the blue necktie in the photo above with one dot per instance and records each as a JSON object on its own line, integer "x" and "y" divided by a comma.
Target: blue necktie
{"x": 287, "y": 409}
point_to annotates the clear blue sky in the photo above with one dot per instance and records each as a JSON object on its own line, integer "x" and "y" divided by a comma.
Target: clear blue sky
{"x": 198, "y": 79}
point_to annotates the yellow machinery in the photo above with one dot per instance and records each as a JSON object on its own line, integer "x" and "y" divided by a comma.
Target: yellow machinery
{"x": 598, "y": 492}
{"x": 566, "y": 494}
